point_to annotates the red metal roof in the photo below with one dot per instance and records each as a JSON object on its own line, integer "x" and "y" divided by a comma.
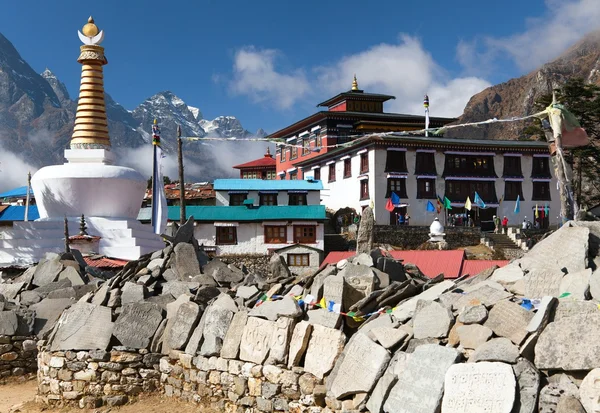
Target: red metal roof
{"x": 474, "y": 267}
{"x": 104, "y": 262}
{"x": 431, "y": 263}
{"x": 259, "y": 163}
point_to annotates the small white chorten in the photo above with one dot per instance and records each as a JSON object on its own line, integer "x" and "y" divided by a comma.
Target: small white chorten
{"x": 436, "y": 231}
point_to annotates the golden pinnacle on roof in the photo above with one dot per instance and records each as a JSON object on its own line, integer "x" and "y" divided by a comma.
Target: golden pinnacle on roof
{"x": 354, "y": 83}
{"x": 90, "y": 29}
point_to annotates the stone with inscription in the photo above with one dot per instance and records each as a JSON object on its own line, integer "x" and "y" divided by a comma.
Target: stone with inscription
{"x": 272, "y": 310}
{"x": 185, "y": 261}
{"x": 8, "y": 323}
{"x": 231, "y": 342}
{"x": 571, "y": 343}
{"x": 554, "y": 254}
{"x": 280, "y": 340}
{"x": 47, "y": 271}
{"x": 364, "y": 238}
{"x": 132, "y": 293}
{"x": 577, "y": 284}
{"x": 479, "y": 387}
{"x": 388, "y": 337}
{"x": 47, "y": 313}
{"x": 299, "y": 343}
{"x": 324, "y": 347}
{"x": 473, "y": 314}
{"x": 509, "y": 320}
{"x": 542, "y": 316}
{"x": 485, "y": 295}
{"x": 256, "y": 340}
{"x": 421, "y": 383}
{"x": 182, "y": 326}
{"x": 358, "y": 372}
{"x": 380, "y": 392}
{"x": 571, "y": 308}
{"x": 359, "y": 283}
{"x": 333, "y": 290}
{"x": 542, "y": 283}
{"x": 528, "y": 379}
{"x": 473, "y": 335}
{"x": 433, "y": 320}
{"x": 137, "y": 324}
{"x": 497, "y": 349}
{"x": 406, "y": 310}
{"x": 193, "y": 344}
{"x": 83, "y": 326}
{"x": 216, "y": 324}
{"x": 589, "y": 391}
{"x": 507, "y": 275}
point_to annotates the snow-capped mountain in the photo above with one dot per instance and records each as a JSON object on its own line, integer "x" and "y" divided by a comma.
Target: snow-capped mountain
{"x": 225, "y": 126}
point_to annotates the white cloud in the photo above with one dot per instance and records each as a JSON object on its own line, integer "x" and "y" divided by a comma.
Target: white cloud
{"x": 563, "y": 23}
{"x": 13, "y": 170}
{"x": 255, "y": 75}
{"x": 404, "y": 70}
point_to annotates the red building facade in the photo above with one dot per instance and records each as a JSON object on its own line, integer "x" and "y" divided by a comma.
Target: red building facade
{"x": 348, "y": 114}
{"x": 263, "y": 168}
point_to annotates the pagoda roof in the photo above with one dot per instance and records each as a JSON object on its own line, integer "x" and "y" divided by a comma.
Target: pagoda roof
{"x": 263, "y": 162}
{"x": 356, "y": 95}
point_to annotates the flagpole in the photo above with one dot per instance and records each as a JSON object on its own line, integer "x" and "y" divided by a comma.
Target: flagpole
{"x": 155, "y": 198}
{"x": 182, "y": 216}
{"x": 426, "y": 105}
{"x": 28, "y": 196}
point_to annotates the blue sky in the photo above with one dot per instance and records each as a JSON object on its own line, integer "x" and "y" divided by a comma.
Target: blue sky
{"x": 270, "y": 62}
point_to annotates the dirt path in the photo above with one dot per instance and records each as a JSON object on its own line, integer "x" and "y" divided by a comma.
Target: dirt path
{"x": 19, "y": 397}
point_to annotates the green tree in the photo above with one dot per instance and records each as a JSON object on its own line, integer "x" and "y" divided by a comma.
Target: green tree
{"x": 583, "y": 100}
{"x": 166, "y": 181}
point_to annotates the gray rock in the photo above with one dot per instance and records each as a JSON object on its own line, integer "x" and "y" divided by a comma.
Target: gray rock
{"x": 205, "y": 294}
{"x": 170, "y": 275}
{"x": 183, "y": 324}
{"x": 155, "y": 263}
{"x": 483, "y": 294}
{"x": 299, "y": 343}
{"x": 324, "y": 347}
{"x": 205, "y": 280}
{"x": 570, "y": 308}
{"x": 464, "y": 389}
{"x": 132, "y": 293}
{"x": 570, "y": 404}
{"x": 177, "y": 288}
{"x": 278, "y": 267}
{"x": 280, "y": 341}
{"x": 595, "y": 285}
{"x": 497, "y": 349}
{"x": 382, "y": 321}
{"x": 246, "y": 292}
{"x": 83, "y": 327}
{"x": 2, "y": 302}
{"x": 28, "y": 298}
{"x": 334, "y": 288}
{"x": 226, "y": 275}
{"x": 388, "y": 337}
{"x": 432, "y": 321}
{"x": 415, "y": 343}
{"x": 359, "y": 283}
{"x": 71, "y": 274}
{"x": 577, "y": 284}
{"x": 357, "y": 373}
{"x": 156, "y": 254}
{"x": 392, "y": 267}
{"x": 541, "y": 283}
{"x": 406, "y": 310}
{"x": 233, "y": 337}
{"x": 473, "y": 336}
{"x": 551, "y": 394}
{"x": 421, "y": 383}
{"x": 216, "y": 325}
{"x": 316, "y": 289}
{"x": 381, "y": 392}
{"x": 68, "y": 292}
{"x": 195, "y": 341}
{"x": 101, "y": 296}
{"x": 10, "y": 291}
{"x": 137, "y": 324}
{"x": 46, "y": 272}
{"x": 47, "y": 312}
{"x": 26, "y": 277}
{"x": 589, "y": 391}
{"x": 509, "y": 320}
{"x": 363, "y": 259}
{"x": 256, "y": 339}
{"x": 48, "y": 288}
{"x": 8, "y": 323}
{"x": 272, "y": 310}
{"x": 364, "y": 238}
{"x": 508, "y": 274}
{"x": 161, "y": 300}
{"x": 474, "y": 314}
{"x": 542, "y": 316}
{"x": 528, "y": 379}
{"x": 571, "y": 343}
{"x": 185, "y": 262}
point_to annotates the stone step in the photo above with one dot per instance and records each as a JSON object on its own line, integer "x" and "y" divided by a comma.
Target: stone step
{"x": 131, "y": 242}
{"x": 24, "y": 256}
{"x": 30, "y": 243}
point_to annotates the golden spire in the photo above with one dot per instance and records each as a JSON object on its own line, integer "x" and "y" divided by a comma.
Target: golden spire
{"x": 91, "y": 125}
{"x": 354, "y": 84}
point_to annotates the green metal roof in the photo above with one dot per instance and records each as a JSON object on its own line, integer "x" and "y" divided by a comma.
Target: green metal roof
{"x": 243, "y": 213}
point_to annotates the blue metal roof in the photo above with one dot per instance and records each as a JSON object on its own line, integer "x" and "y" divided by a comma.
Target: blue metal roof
{"x": 20, "y": 192}
{"x": 243, "y": 213}
{"x": 17, "y": 213}
{"x": 267, "y": 185}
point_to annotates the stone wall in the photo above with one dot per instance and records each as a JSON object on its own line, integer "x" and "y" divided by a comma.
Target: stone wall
{"x": 255, "y": 264}
{"x": 412, "y": 237}
{"x": 17, "y": 355}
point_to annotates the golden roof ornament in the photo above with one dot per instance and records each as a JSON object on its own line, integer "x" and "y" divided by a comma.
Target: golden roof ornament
{"x": 90, "y": 34}
{"x": 90, "y": 29}
{"x": 354, "y": 83}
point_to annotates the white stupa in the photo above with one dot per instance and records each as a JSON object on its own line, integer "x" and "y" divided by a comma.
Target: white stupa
{"x": 436, "y": 231}
{"x": 109, "y": 196}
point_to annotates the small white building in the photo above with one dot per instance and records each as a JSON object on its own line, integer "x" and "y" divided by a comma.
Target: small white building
{"x": 421, "y": 169}
{"x": 233, "y": 192}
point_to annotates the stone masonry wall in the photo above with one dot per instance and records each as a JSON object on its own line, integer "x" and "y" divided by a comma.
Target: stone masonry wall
{"x": 99, "y": 378}
{"x": 256, "y": 264}
{"x": 412, "y": 237}
{"x": 17, "y": 355}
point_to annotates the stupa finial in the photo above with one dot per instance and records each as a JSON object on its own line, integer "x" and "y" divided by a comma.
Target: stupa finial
{"x": 354, "y": 83}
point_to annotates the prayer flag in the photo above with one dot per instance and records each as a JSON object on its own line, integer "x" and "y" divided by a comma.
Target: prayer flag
{"x": 479, "y": 202}
{"x": 389, "y": 205}
{"x": 537, "y": 214}
{"x": 468, "y": 205}
{"x": 447, "y": 203}
{"x": 430, "y": 207}
{"x": 322, "y": 303}
{"x": 395, "y": 199}
{"x": 439, "y": 205}
{"x": 518, "y": 204}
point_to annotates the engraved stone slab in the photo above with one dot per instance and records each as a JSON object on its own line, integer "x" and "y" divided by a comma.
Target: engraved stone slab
{"x": 432, "y": 321}
{"x": 473, "y": 314}
{"x": 83, "y": 327}
{"x": 388, "y": 337}
{"x": 406, "y": 310}
{"x": 508, "y": 274}
{"x": 542, "y": 283}
{"x": 421, "y": 383}
{"x": 571, "y": 343}
{"x": 577, "y": 284}
{"x": 364, "y": 362}
{"x": 486, "y": 295}
{"x": 183, "y": 325}
{"x": 333, "y": 290}
{"x": 509, "y": 320}
{"x": 589, "y": 391}
{"x": 137, "y": 324}
{"x": 473, "y": 335}
{"x": 570, "y": 308}
{"x": 231, "y": 342}
{"x": 216, "y": 325}
{"x": 47, "y": 312}
{"x": 497, "y": 349}
{"x": 256, "y": 340}
{"x": 528, "y": 378}
{"x": 360, "y": 282}
{"x": 299, "y": 343}
{"x": 46, "y": 272}
{"x": 479, "y": 387}
{"x": 280, "y": 339}
{"x": 8, "y": 323}
{"x": 324, "y": 347}
{"x": 132, "y": 293}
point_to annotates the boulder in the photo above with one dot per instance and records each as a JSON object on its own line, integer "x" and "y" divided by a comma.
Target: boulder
{"x": 47, "y": 271}
{"x": 137, "y": 324}
{"x": 498, "y": 349}
{"x": 83, "y": 327}
{"x": 432, "y": 321}
{"x": 364, "y": 238}
{"x": 185, "y": 262}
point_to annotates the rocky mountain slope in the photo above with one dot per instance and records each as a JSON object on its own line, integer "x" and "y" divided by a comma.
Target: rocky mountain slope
{"x": 516, "y": 97}
{"x": 37, "y": 113}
